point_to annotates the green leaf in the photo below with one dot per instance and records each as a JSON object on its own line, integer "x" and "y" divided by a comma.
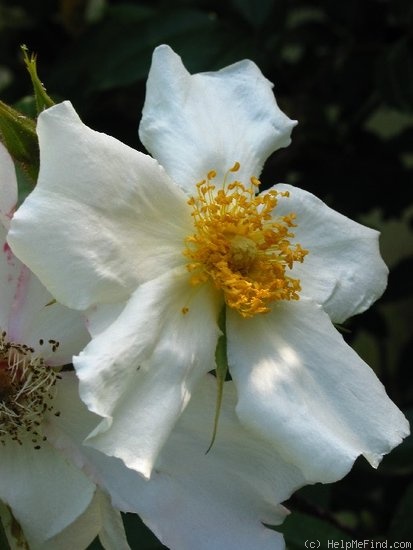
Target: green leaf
{"x": 398, "y": 316}
{"x": 304, "y": 531}
{"x": 18, "y": 134}
{"x": 94, "y": 64}
{"x": 221, "y": 370}
{"x": 43, "y": 101}
{"x": 24, "y": 185}
{"x": 388, "y": 123}
{"x": 401, "y": 527}
{"x": 254, "y": 12}
{"x": 318, "y": 494}
{"x": 395, "y": 75}
{"x": 140, "y": 536}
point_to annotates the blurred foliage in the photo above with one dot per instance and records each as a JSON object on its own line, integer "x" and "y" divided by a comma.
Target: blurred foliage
{"x": 344, "y": 70}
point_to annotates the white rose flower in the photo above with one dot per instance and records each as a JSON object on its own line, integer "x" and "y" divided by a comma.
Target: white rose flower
{"x": 155, "y": 251}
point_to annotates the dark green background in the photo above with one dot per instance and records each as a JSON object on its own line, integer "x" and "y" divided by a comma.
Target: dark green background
{"x": 344, "y": 70}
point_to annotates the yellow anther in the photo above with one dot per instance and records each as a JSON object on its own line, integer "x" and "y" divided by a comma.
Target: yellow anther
{"x": 241, "y": 247}
{"x": 235, "y": 168}
{"x": 211, "y": 174}
{"x": 255, "y": 181}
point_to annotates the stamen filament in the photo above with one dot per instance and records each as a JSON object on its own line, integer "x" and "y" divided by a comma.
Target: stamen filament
{"x": 26, "y": 392}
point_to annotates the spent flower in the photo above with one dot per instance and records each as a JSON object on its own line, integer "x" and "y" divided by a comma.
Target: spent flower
{"x": 55, "y": 503}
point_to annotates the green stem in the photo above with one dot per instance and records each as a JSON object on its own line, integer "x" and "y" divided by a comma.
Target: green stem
{"x": 43, "y": 101}
{"x": 221, "y": 369}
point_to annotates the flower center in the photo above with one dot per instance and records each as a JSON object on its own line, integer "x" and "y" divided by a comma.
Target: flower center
{"x": 241, "y": 246}
{"x": 26, "y": 392}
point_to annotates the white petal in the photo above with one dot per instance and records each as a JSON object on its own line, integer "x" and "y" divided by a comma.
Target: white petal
{"x": 195, "y": 123}
{"x": 140, "y": 371}
{"x": 31, "y": 316}
{"x": 99, "y": 519}
{"x": 8, "y": 187}
{"x": 44, "y": 491}
{"x": 301, "y": 387}
{"x": 103, "y": 217}
{"x": 10, "y": 270}
{"x": 15, "y": 280}
{"x": 112, "y": 534}
{"x": 57, "y": 323}
{"x": 35, "y": 320}
{"x": 99, "y": 318}
{"x": 196, "y": 500}
{"x": 343, "y": 270}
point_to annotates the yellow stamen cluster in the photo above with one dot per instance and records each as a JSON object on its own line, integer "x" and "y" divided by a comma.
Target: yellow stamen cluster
{"x": 240, "y": 246}
{"x": 26, "y": 392}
